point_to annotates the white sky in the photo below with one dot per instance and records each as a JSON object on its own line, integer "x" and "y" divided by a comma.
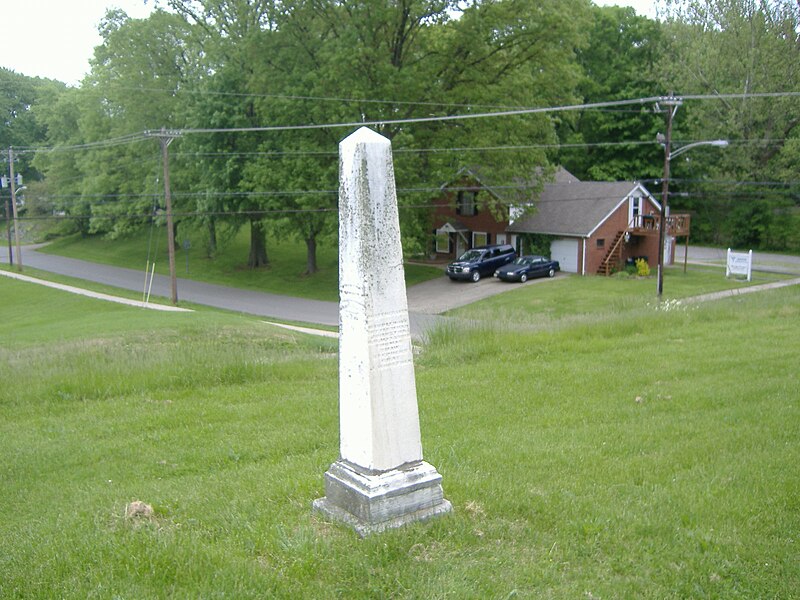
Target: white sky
{"x": 56, "y": 38}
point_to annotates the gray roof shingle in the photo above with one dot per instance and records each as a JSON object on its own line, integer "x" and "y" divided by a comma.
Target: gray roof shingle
{"x": 575, "y": 208}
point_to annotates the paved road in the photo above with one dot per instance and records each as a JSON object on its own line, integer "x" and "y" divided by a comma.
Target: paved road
{"x": 257, "y": 303}
{"x": 426, "y": 300}
{"x": 762, "y": 261}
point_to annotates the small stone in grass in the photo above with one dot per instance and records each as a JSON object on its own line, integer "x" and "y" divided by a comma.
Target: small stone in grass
{"x": 138, "y": 510}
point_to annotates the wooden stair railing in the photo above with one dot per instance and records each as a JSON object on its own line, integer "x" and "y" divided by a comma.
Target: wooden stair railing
{"x": 613, "y": 256}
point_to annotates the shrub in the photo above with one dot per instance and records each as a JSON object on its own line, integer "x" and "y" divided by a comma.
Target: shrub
{"x": 642, "y": 268}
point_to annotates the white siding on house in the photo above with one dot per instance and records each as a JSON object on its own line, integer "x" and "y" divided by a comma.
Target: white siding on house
{"x": 565, "y": 251}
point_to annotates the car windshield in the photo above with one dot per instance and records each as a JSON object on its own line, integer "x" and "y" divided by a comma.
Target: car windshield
{"x": 522, "y": 260}
{"x": 471, "y": 255}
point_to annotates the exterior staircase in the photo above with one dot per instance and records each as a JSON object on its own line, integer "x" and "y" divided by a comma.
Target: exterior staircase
{"x": 613, "y": 257}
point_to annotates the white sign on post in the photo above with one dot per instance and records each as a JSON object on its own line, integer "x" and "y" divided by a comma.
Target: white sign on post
{"x": 739, "y": 263}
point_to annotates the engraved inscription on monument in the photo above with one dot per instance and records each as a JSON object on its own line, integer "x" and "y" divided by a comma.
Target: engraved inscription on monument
{"x": 391, "y": 338}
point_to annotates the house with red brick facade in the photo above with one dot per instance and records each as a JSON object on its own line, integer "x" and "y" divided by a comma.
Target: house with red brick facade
{"x": 594, "y": 227}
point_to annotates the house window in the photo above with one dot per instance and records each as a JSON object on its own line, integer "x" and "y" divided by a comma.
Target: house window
{"x": 601, "y": 242}
{"x": 479, "y": 238}
{"x": 443, "y": 243}
{"x": 466, "y": 204}
{"x": 635, "y": 210}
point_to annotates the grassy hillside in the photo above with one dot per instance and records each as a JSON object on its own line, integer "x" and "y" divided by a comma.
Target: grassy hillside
{"x": 625, "y": 452}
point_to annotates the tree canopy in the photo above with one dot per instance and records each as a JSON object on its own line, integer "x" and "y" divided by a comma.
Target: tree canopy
{"x": 233, "y": 68}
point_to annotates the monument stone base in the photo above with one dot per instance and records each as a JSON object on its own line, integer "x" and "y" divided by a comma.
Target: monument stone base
{"x": 373, "y": 502}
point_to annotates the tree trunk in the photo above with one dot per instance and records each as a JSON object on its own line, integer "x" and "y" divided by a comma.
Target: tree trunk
{"x": 311, "y": 255}
{"x": 212, "y": 237}
{"x": 175, "y": 235}
{"x": 258, "y": 245}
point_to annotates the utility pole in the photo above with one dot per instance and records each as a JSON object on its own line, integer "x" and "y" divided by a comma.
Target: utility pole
{"x": 8, "y": 230}
{"x": 671, "y": 103}
{"x": 165, "y": 138}
{"x": 12, "y": 184}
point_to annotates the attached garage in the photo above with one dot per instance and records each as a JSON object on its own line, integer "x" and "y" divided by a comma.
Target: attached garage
{"x": 587, "y": 222}
{"x": 565, "y": 251}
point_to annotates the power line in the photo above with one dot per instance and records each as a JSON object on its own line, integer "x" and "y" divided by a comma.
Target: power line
{"x": 109, "y": 143}
{"x": 317, "y": 98}
{"x": 425, "y": 189}
{"x": 430, "y": 119}
{"x": 497, "y": 204}
{"x": 503, "y": 113}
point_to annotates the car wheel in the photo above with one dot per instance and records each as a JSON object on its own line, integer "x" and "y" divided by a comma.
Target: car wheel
{"x": 551, "y": 273}
{"x": 476, "y": 276}
{"x": 523, "y": 278}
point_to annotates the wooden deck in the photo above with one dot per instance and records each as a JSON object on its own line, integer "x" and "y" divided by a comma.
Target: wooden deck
{"x": 678, "y": 225}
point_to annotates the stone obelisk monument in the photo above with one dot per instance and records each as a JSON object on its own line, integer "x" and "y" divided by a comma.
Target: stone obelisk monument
{"x": 380, "y": 480}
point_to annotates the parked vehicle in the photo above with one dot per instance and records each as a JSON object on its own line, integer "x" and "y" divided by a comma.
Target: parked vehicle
{"x": 527, "y": 267}
{"x": 481, "y": 261}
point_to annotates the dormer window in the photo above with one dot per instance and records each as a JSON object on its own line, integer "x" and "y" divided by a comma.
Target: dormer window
{"x": 466, "y": 204}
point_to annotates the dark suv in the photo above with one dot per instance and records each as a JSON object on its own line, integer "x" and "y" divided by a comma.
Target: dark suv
{"x": 481, "y": 261}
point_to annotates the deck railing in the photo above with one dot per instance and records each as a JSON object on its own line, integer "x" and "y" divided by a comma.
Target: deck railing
{"x": 678, "y": 224}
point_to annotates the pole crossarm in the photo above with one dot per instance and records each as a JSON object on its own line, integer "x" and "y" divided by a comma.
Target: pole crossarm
{"x": 164, "y": 134}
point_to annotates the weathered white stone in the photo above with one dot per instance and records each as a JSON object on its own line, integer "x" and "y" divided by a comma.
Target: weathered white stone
{"x": 374, "y": 502}
{"x": 380, "y": 479}
{"x": 377, "y": 393}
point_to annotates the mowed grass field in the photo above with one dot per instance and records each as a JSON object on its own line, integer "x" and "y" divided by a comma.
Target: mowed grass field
{"x": 620, "y": 451}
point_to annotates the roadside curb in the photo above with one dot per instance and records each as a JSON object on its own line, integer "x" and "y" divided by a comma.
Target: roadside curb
{"x": 91, "y": 294}
{"x": 740, "y": 291}
{"x": 308, "y": 330}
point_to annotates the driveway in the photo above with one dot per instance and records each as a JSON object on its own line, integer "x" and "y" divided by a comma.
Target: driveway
{"x": 440, "y": 295}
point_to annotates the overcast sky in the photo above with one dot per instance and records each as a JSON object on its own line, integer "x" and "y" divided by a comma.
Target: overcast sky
{"x": 56, "y": 38}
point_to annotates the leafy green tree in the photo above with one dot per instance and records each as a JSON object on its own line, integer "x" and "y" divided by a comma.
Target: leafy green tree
{"x": 225, "y": 64}
{"x": 733, "y": 50}
{"x": 618, "y": 64}
{"x": 21, "y": 128}
{"x": 222, "y": 101}
{"x": 61, "y": 115}
{"x": 136, "y": 76}
{"x": 409, "y": 59}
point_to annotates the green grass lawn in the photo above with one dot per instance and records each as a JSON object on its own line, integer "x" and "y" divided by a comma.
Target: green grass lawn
{"x": 624, "y": 453}
{"x": 576, "y": 297}
{"x": 228, "y": 267}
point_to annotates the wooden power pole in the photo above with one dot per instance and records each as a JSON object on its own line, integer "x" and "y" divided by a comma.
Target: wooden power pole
{"x": 165, "y": 137}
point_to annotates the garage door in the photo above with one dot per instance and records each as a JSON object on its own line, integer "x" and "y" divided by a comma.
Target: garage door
{"x": 565, "y": 251}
